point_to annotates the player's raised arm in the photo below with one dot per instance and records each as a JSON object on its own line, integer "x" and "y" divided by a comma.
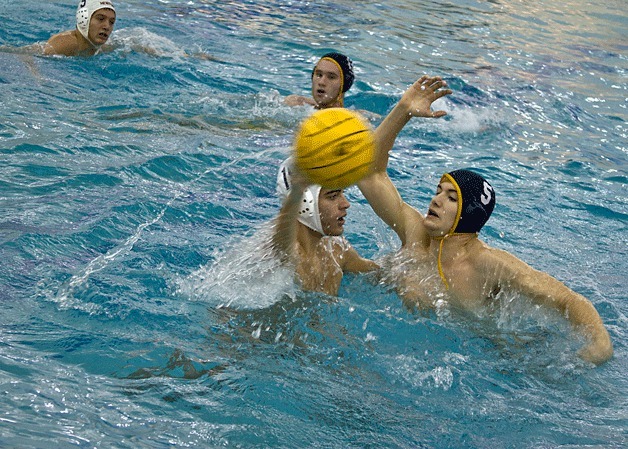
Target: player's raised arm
{"x": 378, "y": 189}
{"x": 285, "y": 227}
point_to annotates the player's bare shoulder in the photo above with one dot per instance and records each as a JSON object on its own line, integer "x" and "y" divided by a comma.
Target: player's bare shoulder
{"x": 499, "y": 265}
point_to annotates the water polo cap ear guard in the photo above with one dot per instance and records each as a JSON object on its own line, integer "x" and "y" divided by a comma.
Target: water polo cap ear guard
{"x": 309, "y": 214}
{"x": 84, "y": 13}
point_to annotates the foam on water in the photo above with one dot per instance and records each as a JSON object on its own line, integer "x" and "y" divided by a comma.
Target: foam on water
{"x": 139, "y": 39}
{"x": 247, "y": 275}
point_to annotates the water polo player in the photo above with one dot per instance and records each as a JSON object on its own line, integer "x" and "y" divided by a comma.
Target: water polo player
{"x": 446, "y": 238}
{"x": 332, "y": 76}
{"x": 308, "y": 233}
{"x": 95, "y": 20}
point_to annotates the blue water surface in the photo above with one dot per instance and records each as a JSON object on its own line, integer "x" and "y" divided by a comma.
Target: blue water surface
{"x": 140, "y": 308}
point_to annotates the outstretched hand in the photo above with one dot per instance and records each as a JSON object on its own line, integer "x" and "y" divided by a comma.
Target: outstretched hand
{"x": 425, "y": 91}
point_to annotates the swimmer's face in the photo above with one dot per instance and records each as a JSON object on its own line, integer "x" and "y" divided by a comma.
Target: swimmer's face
{"x": 441, "y": 214}
{"x": 101, "y": 25}
{"x": 332, "y": 206}
{"x": 326, "y": 81}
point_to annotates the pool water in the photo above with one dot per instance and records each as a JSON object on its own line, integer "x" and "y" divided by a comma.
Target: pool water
{"x": 141, "y": 308}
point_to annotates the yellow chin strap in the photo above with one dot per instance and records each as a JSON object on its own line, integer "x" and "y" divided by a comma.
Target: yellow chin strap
{"x": 339, "y": 98}
{"x": 441, "y": 273}
{"x": 440, "y": 265}
{"x": 448, "y": 178}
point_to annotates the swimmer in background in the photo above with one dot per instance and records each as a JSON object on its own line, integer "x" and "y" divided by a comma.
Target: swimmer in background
{"x": 95, "y": 20}
{"x": 472, "y": 272}
{"x": 308, "y": 233}
{"x": 332, "y": 76}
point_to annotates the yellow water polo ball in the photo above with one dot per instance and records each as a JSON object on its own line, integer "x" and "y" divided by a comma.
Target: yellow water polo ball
{"x": 334, "y": 148}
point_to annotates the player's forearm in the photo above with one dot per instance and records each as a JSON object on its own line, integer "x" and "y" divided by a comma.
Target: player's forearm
{"x": 549, "y": 292}
{"x": 285, "y": 227}
{"x": 585, "y": 319}
{"x": 386, "y": 134}
{"x": 600, "y": 348}
{"x": 583, "y": 316}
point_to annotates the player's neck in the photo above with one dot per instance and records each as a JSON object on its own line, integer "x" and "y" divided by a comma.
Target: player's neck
{"x": 308, "y": 239}
{"x": 339, "y": 103}
{"x": 85, "y": 47}
{"x": 452, "y": 245}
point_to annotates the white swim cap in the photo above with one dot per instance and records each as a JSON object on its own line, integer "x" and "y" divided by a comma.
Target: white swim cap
{"x": 308, "y": 212}
{"x": 86, "y": 10}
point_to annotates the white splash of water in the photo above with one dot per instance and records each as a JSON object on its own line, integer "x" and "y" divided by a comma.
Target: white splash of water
{"x": 246, "y": 276}
{"x": 138, "y": 39}
{"x": 467, "y": 120}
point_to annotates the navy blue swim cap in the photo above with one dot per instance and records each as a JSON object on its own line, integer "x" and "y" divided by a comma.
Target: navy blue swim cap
{"x": 476, "y": 200}
{"x": 346, "y": 68}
